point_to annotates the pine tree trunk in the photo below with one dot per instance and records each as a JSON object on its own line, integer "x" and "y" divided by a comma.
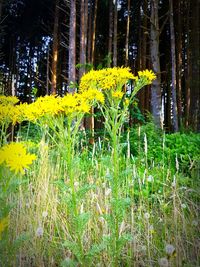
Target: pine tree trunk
{"x": 94, "y": 31}
{"x": 115, "y": 35}
{"x": 89, "y": 39}
{"x": 47, "y": 72}
{"x": 55, "y": 50}
{"x": 187, "y": 67}
{"x": 110, "y": 41}
{"x": 173, "y": 68}
{"x": 195, "y": 61}
{"x": 72, "y": 47}
{"x": 179, "y": 61}
{"x": 82, "y": 40}
{"x": 155, "y": 60}
{"x": 127, "y": 35}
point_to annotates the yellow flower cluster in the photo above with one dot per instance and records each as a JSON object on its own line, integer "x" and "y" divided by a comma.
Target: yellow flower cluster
{"x": 8, "y": 100}
{"x": 8, "y": 112}
{"x": 118, "y": 94}
{"x": 54, "y": 105}
{"x": 48, "y": 106}
{"x": 148, "y": 75}
{"x": 92, "y": 94}
{"x": 15, "y": 156}
{"x": 3, "y": 225}
{"x": 106, "y": 79}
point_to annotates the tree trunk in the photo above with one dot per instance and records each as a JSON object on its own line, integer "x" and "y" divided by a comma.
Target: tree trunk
{"x": 89, "y": 39}
{"x": 110, "y": 41}
{"x": 55, "y": 50}
{"x": 72, "y": 47}
{"x": 179, "y": 62}
{"x": 82, "y": 40}
{"x": 94, "y": 31}
{"x": 155, "y": 59}
{"x": 115, "y": 35}
{"x": 187, "y": 67}
{"x": 47, "y": 72}
{"x": 195, "y": 61}
{"x": 173, "y": 68}
{"x": 127, "y": 35}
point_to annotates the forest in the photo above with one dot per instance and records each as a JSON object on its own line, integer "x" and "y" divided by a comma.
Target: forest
{"x": 99, "y": 133}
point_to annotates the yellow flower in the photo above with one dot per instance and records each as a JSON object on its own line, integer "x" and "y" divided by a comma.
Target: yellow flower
{"x": 127, "y": 102}
{"x": 7, "y": 113}
{"x": 8, "y": 100}
{"x": 118, "y": 94}
{"x": 106, "y": 79}
{"x": 91, "y": 95}
{"x": 16, "y": 157}
{"x": 3, "y": 225}
{"x": 148, "y": 74}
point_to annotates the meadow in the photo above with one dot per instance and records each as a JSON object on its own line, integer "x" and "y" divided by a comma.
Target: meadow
{"x": 129, "y": 199}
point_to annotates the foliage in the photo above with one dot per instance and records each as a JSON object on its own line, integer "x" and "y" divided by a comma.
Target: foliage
{"x": 181, "y": 150}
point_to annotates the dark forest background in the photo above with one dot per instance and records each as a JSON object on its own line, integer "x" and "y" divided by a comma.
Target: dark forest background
{"x": 47, "y": 45}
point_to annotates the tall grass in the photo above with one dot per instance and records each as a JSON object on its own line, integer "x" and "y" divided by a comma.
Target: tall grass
{"x": 159, "y": 211}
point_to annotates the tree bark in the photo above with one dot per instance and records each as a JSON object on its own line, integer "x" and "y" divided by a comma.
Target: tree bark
{"x": 127, "y": 35}
{"x": 94, "y": 31}
{"x": 110, "y": 41}
{"x": 173, "y": 68}
{"x": 72, "y": 47}
{"x": 89, "y": 39}
{"x": 55, "y": 50}
{"x": 82, "y": 40}
{"x": 115, "y": 35}
{"x": 187, "y": 67}
{"x": 179, "y": 62}
{"x": 195, "y": 61}
{"x": 155, "y": 60}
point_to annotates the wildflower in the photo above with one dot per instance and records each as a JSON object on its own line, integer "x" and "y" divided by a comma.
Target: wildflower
{"x": 127, "y": 102}
{"x": 92, "y": 94}
{"x": 194, "y": 222}
{"x": 118, "y": 94}
{"x": 108, "y": 191}
{"x": 8, "y": 100}
{"x": 147, "y": 215}
{"x": 150, "y": 178}
{"x": 174, "y": 184}
{"x": 106, "y": 79}
{"x": 76, "y": 184}
{"x": 163, "y": 262}
{"x": 183, "y": 206}
{"x": 44, "y": 214}
{"x": 39, "y": 231}
{"x": 103, "y": 185}
{"x": 169, "y": 249}
{"x": 102, "y": 220}
{"x": 3, "y": 225}
{"x": 151, "y": 229}
{"x": 143, "y": 248}
{"x": 8, "y": 114}
{"x": 148, "y": 75}
{"x": 15, "y": 157}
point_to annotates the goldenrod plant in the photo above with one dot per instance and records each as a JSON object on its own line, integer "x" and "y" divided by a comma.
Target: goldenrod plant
{"x": 112, "y": 82}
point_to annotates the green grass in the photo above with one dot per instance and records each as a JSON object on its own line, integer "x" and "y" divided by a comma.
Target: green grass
{"x": 158, "y": 204}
